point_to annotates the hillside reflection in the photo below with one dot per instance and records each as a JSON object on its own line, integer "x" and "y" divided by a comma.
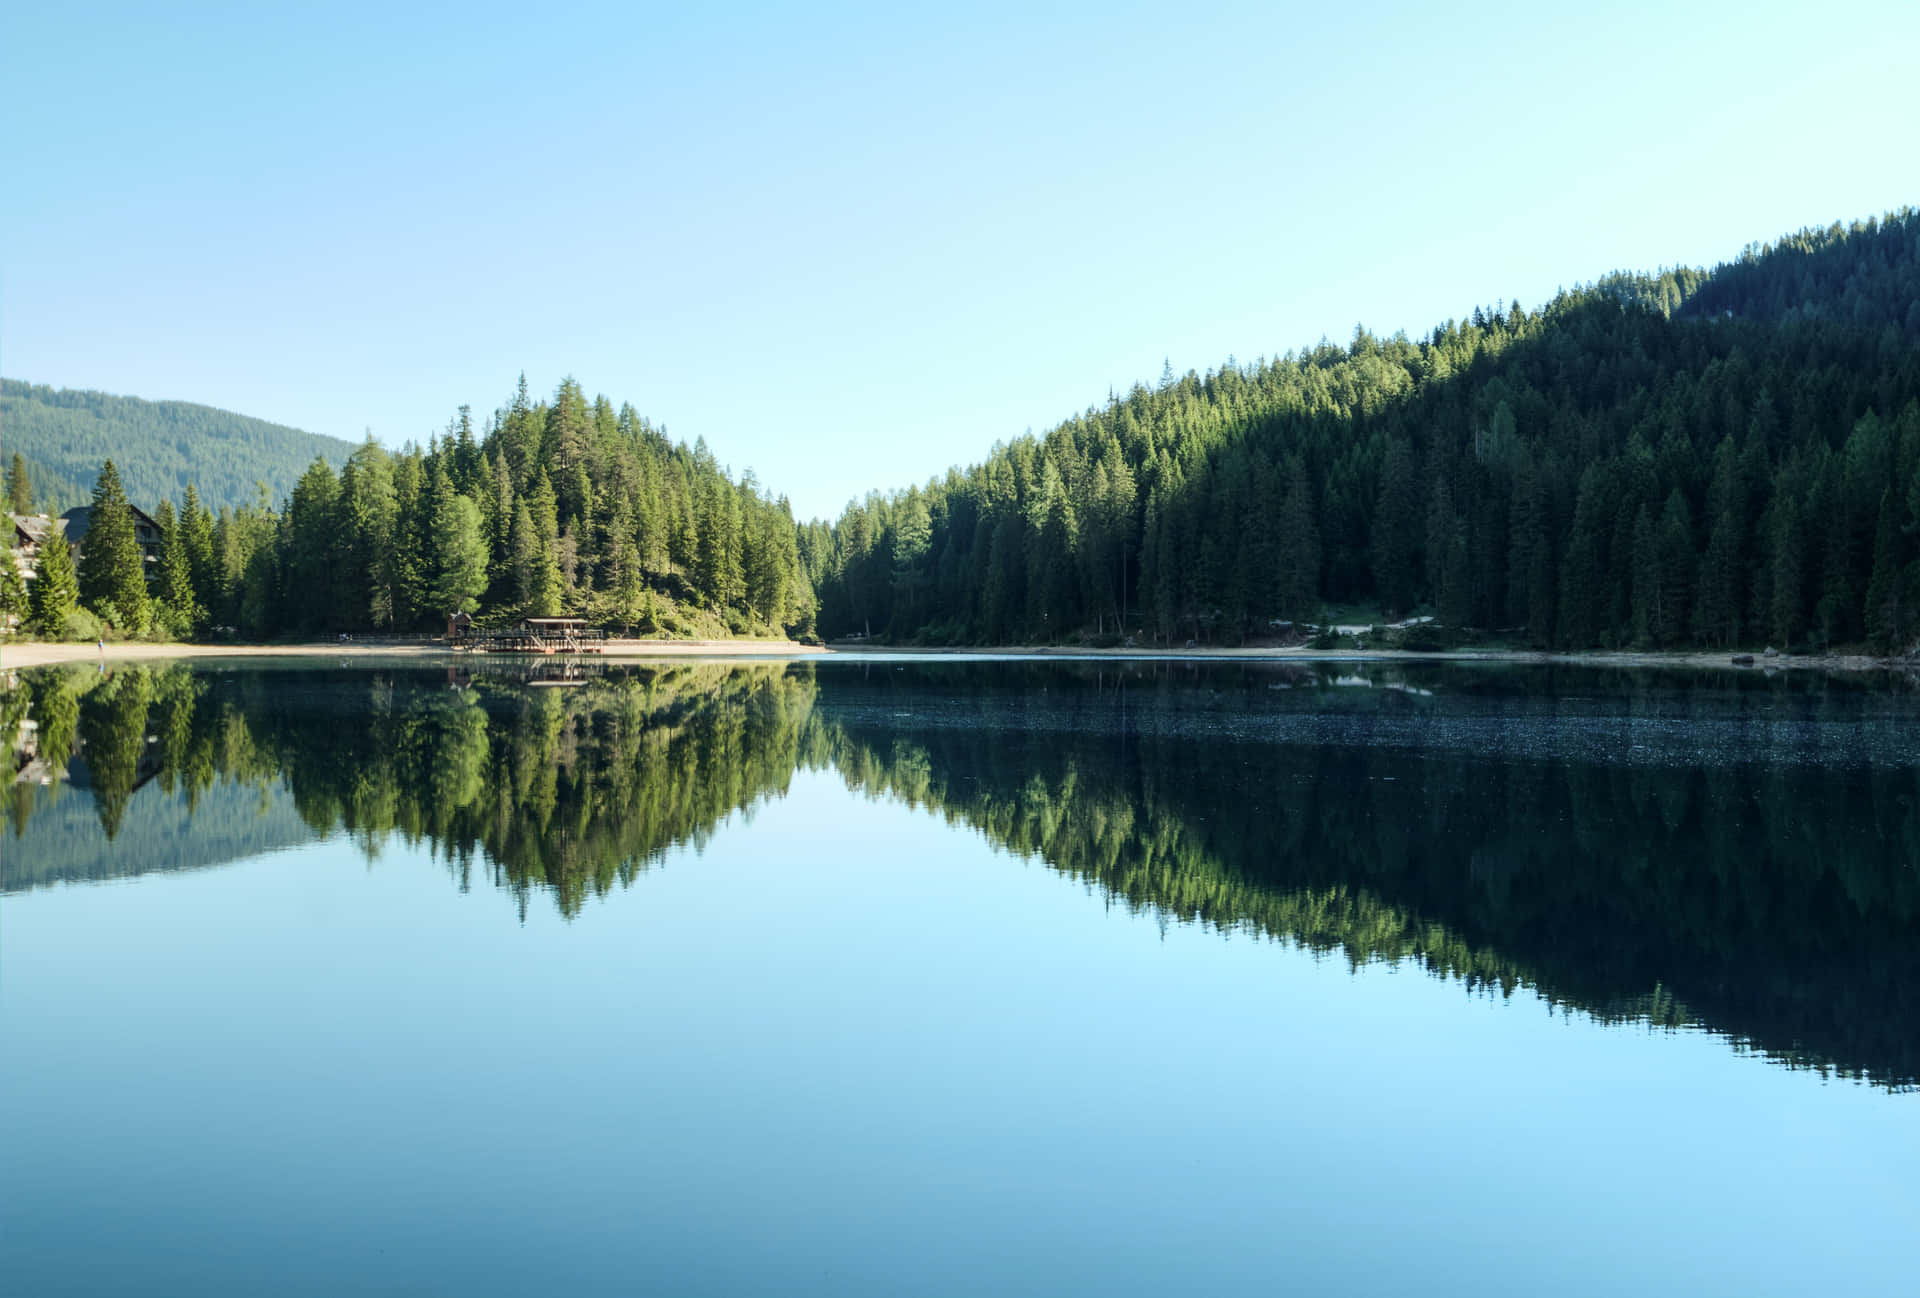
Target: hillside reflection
{"x": 1733, "y": 855}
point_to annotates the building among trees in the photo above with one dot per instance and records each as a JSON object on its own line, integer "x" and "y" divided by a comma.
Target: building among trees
{"x": 30, "y": 532}
{"x": 147, "y": 534}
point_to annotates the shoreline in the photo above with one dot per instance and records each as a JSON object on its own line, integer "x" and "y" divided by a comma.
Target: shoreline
{"x": 1579, "y": 658}
{"x": 46, "y": 654}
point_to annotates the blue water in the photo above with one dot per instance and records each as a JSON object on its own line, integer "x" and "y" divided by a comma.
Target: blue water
{"x": 844, "y": 1044}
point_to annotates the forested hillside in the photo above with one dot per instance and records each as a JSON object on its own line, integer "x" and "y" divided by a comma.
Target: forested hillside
{"x": 561, "y": 507}
{"x": 159, "y": 447}
{"x": 1686, "y": 459}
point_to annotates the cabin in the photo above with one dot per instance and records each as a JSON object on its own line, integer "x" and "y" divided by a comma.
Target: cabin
{"x": 30, "y": 532}
{"x": 566, "y": 635}
{"x": 458, "y": 626}
{"x": 536, "y": 635}
{"x": 146, "y": 533}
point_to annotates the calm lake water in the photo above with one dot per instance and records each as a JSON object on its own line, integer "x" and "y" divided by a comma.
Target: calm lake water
{"x": 959, "y": 977}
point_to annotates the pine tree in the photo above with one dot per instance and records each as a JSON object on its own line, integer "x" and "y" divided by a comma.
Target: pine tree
{"x": 19, "y": 488}
{"x": 1677, "y": 567}
{"x": 55, "y": 592}
{"x": 912, "y": 537}
{"x": 1298, "y": 556}
{"x": 1886, "y": 612}
{"x": 1648, "y": 616}
{"x": 1396, "y": 530}
{"x": 523, "y": 557}
{"x": 630, "y": 594}
{"x": 400, "y": 575}
{"x": 196, "y": 533}
{"x": 176, "y": 574}
{"x": 459, "y": 552}
{"x": 112, "y": 571}
{"x": 14, "y": 607}
{"x": 1788, "y": 609}
{"x": 368, "y": 513}
{"x": 1150, "y": 563}
{"x": 313, "y": 552}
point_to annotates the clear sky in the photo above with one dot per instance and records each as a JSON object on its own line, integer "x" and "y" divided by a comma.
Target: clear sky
{"x": 853, "y": 246}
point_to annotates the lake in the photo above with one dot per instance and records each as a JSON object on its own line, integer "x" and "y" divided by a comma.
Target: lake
{"x": 959, "y": 976}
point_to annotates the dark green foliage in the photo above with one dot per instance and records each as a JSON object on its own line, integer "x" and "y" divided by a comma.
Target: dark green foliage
{"x": 160, "y": 446}
{"x": 113, "y": 571}
{"x": 13, "y": 594}
{"x": 55, "y": 592}
{"x": 564, "y": 509}
{"x": 174, "y": 582}
{"x": 1690, "y": 459}
{"x": 19, "y": 485}
{"x": 196, "y": 536}
{"x": 459, "y": 555}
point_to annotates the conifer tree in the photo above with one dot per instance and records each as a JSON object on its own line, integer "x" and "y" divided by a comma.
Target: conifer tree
{"x": 523, "y": 561}
{"x": 1394, "y": 530}
{"x": 545, "y": 590}
{"x": 14, "y": 607}
{"x": 55, "y": 592}
{"x": 368, "y": 514}
{"x": 1298, "y": 556}
{"x": 112, "y": 569}
{"x": 1886, "y": 612}
{"x": 175, "y": 577}
{"x": 313, "y": 551}
{"x": 630, "y": 600}
{"x": 914, "y": 534}
{"x": 196, "y": 534}
{"x": 459, "y": 552}
{"x": 19, "y": 487}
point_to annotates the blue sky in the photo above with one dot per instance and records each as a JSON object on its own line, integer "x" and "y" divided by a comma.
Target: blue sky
{"x": 854, "y": 246}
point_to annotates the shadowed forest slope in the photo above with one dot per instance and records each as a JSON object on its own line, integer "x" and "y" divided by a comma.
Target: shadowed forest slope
{"x": 1691, "y": 458}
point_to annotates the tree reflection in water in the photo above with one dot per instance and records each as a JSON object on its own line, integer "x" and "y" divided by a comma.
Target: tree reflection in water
{"x": 1735, "y": 855}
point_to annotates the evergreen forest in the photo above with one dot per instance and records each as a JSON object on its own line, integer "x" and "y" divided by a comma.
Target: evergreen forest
{"x": 566, "y": 506}
{"x": 1687, "y": 459}
{"x": 1691, "y": 459}
{"x": 160, "y": 447}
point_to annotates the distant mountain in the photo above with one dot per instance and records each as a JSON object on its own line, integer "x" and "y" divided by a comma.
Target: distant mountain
{"x": 158, "y": 446}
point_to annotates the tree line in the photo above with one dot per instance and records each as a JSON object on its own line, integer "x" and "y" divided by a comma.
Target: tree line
{"x": 562, "y": 507}
{"x": 1687, "y": 459}
{"x": 1682, "y": 459}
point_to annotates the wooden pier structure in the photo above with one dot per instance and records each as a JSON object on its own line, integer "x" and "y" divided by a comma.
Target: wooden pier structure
{"x": 533, "y": 635}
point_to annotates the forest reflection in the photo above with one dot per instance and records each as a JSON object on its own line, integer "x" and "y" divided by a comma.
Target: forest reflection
{"x": 1738, "y": 857}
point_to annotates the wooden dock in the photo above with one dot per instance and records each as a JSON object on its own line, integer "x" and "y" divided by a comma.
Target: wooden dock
{"x": 534, "y": 635}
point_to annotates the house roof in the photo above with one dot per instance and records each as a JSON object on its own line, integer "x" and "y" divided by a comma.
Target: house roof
{"x": 35, "y": 528}
{"x": 76, "y": 520}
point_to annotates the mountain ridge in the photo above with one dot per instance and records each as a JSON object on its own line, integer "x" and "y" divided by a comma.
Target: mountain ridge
{"x": 158, "y": 446}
